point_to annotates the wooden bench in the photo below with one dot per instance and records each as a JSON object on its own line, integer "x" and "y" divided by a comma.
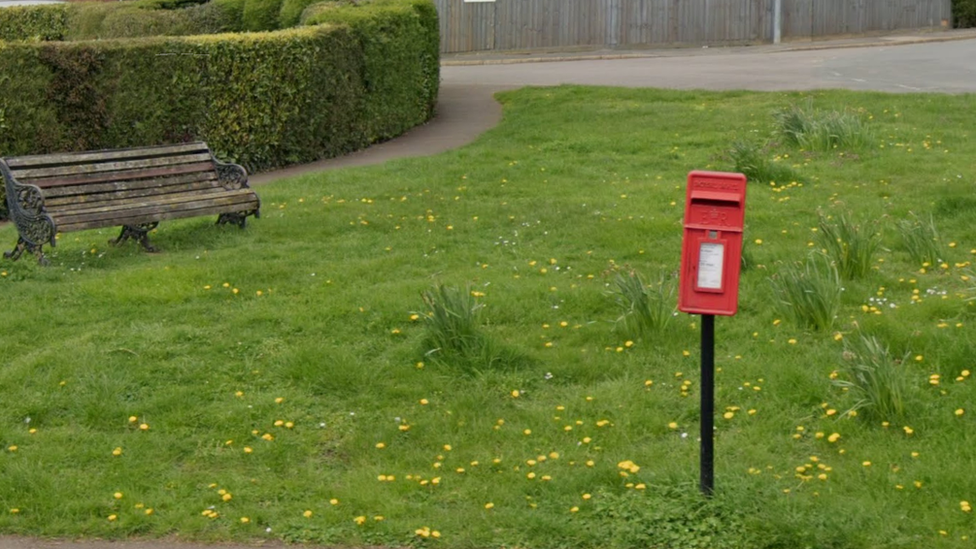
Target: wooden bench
{"x": 133, "y": 188}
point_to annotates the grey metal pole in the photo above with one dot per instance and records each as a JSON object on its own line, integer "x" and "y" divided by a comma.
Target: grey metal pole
{"x": 777, "y": 20}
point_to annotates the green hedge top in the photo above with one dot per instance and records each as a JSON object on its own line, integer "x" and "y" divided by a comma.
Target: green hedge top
{"x": 43, "y": 22}
{"x": 250, "y": 95}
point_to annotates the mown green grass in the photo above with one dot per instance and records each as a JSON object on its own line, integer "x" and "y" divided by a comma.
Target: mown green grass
{"x": 575, "y": 186}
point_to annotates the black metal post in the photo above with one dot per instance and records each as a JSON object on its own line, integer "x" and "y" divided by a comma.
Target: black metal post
{"x": 708, "y": 405}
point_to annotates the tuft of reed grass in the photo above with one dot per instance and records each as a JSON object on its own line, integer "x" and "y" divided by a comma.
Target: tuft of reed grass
{"x": 851, "y": 245}
{"x": 809, "y": 292}
{"x": 921, "y": 239}
{"x": 752, "y": 161}
{"x": 824, "y": 131}
{"x": 454, "y": 334}
{"x": 645, "y": 308}
{"x": 878, "y": 381}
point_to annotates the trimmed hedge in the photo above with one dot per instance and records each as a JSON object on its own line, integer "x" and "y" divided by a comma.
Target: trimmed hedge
{"x": 394, "y": 35}
{"x": 963, "y": 13}
{"x": 91, "y": 21}
{"x": 233, "y": 11}
{"x": 263, "y": 100}
{"x": 291, "y": 12}
{"x": 48, "y": 22}
{"x": 261, "y": 15}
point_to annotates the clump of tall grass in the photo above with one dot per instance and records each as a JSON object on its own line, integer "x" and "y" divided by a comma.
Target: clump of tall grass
{"x": 644, "y": 308}
{"x": 921, "y": 239}
{"x": 817, "y": 130}
{"x": 454, "y": 333}
{"x": 878, "y": 381}
{"x": 809, "y": 292}
{"x": 851, "y": 245}
{"x": 753, "y": 161}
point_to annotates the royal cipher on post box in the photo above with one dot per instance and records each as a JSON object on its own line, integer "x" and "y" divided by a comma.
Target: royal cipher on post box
{"x": 711, "y": 250}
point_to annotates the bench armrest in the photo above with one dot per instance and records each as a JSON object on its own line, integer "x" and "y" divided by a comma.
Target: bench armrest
{"x": 231, "y": 176}
{"x": 26, "y": 208}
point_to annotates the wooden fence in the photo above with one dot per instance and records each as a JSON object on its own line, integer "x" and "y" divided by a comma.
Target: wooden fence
{"x": 477, "y": 25}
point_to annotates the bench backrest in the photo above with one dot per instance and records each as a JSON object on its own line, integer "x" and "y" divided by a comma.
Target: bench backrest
{"x": 84, "y": 179}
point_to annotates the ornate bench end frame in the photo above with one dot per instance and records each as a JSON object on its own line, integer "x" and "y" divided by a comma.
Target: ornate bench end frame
{"x": 26, "y": 206}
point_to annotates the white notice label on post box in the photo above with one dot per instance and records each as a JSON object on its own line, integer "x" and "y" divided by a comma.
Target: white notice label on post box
{"x": 711, "y": 258}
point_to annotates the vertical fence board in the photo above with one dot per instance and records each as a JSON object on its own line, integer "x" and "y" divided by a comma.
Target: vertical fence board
{"x": 527, "y": 24}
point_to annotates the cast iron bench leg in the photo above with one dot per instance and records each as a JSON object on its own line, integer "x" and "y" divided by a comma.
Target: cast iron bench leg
{"x": 136, "y": 232}
{"x": 24, "y": 246}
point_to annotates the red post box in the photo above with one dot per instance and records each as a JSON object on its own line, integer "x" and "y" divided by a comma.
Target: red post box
{"x": 711, "y": 251}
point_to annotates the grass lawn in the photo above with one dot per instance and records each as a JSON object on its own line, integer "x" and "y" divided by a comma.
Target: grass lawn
{"x": 277, "y": 382}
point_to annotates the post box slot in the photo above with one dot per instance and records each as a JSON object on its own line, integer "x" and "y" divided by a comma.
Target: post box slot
{"x": 712, "y": 198}
{"x": 711, "y": 202}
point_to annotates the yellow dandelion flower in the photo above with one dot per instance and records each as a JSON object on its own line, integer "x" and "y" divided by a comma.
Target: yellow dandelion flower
{"x": 307, "y": 513}
{"x": 360, "y": 520}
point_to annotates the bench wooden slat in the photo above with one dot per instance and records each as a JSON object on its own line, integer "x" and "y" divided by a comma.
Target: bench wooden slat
{"x": 122, "y": 187}
{"x": 120, "y": 177}
{"x": 114, "y": 154}
{"x": 72, "y": 208}
{"x": 158, "y": 202}
{"x": 152, "y": 213}
{"x": 26, "y": 174}
{"x": 57, "y": 204}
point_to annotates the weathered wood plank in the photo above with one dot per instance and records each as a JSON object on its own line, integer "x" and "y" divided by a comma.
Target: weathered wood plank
{"x": 121, "y": 187}
{"x": 157, "y": 217}
{"x": 120, "y": 177}
{"x": 109, "y": 216}
{"x": 107, "y": 155}
{"x": 109, "y": 166}
{"x": 59, "y": 206}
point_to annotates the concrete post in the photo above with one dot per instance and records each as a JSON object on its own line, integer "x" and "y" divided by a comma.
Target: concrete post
{"x": 777, "y": 20}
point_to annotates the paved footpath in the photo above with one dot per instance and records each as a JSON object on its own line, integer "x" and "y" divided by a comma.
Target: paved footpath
{"x": 936, "y": 62}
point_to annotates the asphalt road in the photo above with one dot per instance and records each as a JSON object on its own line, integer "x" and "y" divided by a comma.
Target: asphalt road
{"x": 466, "y": 108}
{"x": 886, "y": 66}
